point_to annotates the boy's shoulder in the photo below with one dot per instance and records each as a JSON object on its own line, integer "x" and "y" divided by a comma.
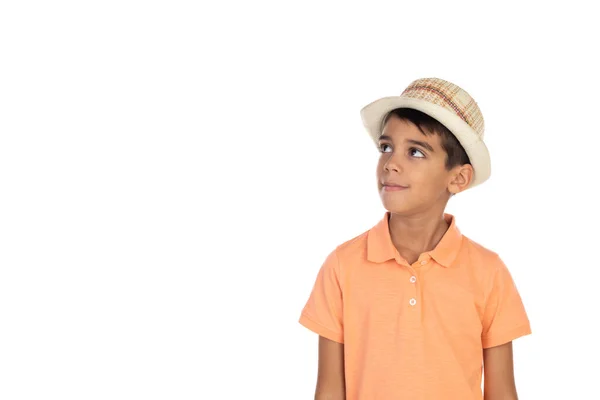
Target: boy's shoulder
{"x": 478, "y": 248}
{"x": 353, "y": 247}
{"x": 355, "y": 243}
{"x": 480, "y": 256}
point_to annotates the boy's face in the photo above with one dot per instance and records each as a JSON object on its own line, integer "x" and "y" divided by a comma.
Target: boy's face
{"x": 417, "y": 163}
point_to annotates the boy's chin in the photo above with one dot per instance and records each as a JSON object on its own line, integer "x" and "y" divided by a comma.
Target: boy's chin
{"x": 397, "y": 207}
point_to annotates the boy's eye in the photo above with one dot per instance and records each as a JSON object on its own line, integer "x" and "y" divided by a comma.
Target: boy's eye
{"x": 382, "y": 147}
{"x": 413, "y": 150}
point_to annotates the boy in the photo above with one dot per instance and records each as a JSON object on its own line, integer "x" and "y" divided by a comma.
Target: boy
{"x": 411, "y": 309}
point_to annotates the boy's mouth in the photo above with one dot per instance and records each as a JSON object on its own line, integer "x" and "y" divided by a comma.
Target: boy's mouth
{"x": 392, "y": 187}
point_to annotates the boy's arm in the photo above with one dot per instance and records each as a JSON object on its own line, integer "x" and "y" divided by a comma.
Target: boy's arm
{"x": 331, "y": 376}
{"x": 499, "y": 379}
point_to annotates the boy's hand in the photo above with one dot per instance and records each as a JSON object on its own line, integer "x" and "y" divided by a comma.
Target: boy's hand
{"x": 499, "y": 379}
{"x": 331, "y": 377}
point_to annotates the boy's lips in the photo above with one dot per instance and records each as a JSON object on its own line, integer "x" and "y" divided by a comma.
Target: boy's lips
{"x": 392, "y": 187}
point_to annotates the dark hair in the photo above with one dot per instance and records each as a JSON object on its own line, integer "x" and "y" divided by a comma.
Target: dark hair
{"x": 455, "y": 153}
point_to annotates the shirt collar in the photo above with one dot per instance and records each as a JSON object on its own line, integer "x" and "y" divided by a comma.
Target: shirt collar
{"x": 380, "y": 247}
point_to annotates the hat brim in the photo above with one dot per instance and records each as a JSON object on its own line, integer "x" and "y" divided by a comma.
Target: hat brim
{"x": 373, "y": 114}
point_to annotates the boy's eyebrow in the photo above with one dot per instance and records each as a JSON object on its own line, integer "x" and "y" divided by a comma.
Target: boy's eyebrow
{"x": 412, "y": 141}
{"x": 419, "y": 143}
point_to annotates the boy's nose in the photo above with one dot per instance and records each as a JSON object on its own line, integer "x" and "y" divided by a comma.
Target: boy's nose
{"x": 393, "y": 165}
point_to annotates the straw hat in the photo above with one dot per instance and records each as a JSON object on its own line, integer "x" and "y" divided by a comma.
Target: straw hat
{"x": 447, "y": 103}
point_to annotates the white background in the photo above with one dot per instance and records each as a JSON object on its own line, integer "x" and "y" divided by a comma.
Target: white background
{"x": 173, "y": 174}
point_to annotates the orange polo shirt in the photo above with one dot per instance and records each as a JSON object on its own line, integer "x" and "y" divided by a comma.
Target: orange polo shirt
{"x": 414, "y": 331}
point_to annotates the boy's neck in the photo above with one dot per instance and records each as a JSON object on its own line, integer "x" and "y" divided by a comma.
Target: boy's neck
{"x": 416, "y": 234}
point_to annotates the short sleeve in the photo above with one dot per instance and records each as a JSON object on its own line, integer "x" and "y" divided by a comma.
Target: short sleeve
{"x": 505, "y": 318}
{"x": 322, "y": 313}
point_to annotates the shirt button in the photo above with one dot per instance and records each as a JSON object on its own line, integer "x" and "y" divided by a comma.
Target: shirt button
{"x": 413, "y": 279}
{"x": 423, "y": 262}
{"x": 412, "y": 302}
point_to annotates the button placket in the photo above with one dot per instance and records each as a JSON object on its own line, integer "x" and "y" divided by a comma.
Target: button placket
{"x": 412, "y": 290}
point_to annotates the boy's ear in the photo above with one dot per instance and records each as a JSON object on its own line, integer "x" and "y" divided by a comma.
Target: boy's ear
{"x": 460, "y": 178}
